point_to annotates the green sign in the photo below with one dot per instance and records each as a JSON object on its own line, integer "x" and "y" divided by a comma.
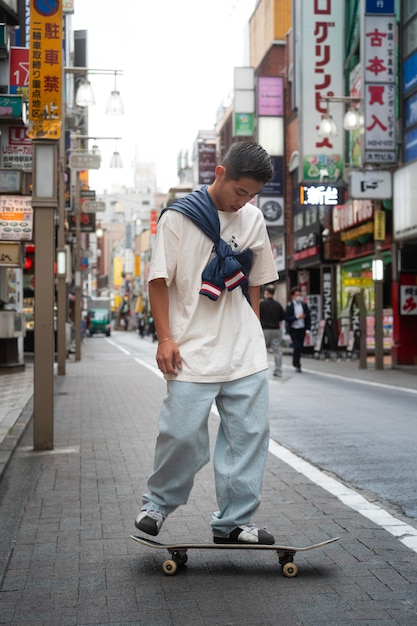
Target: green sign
{"x": 244, "y": 125}
{"x": 11, "y": 106}
{"x": 323, "y": 167}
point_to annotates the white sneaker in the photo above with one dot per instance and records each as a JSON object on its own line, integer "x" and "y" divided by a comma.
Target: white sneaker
{"x": 150, "y": 522}
{"x": 246, "y": 533}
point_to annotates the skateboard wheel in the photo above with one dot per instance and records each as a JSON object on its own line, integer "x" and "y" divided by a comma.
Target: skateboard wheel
{"x": 180, "y": 558}
{"x": 289, "y": 570}
{"x": 169, "y": 567}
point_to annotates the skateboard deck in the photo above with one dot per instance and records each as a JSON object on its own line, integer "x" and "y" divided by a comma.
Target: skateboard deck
{"x": 178, "y": 552}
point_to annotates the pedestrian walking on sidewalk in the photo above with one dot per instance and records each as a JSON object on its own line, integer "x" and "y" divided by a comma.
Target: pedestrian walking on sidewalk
{"x": 297, "y": 316}
{"x": 124, "y": 313}
{"x": 272, "y": 315}
{"x": 212, "y": 253}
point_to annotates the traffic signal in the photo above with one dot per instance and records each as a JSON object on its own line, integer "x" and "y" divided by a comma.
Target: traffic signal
{"x": 29, "y": 262}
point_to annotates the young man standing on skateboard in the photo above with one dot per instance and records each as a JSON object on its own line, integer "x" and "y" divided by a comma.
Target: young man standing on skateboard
{"x": 212, "y": 253}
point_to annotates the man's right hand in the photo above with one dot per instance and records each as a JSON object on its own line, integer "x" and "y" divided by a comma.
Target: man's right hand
{"x": 168, "y": 357}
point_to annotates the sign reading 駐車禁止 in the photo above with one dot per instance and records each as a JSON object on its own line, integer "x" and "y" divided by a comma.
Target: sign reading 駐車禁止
{"x": 45, "y": 69}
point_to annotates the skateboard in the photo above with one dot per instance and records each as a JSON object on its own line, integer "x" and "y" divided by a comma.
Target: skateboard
{"x": 178, "y": 552}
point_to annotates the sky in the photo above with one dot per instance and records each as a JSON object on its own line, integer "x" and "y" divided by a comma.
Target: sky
{"x": 177, "y": 58}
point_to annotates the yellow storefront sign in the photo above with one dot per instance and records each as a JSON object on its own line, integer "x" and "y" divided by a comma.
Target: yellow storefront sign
{"x": 118, "y": 271}
{"x": 45, "y": 69}
{"x": 358, "y": 281}
{"x": 379, "y": 225}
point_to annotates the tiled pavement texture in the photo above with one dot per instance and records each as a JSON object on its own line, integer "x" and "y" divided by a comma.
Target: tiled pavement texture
{"x": 16, "y": 406}
{"x": 66, "y": 557}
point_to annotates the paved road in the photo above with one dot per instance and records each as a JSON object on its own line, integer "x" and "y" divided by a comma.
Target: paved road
{"x": 65, "y": 518}
{"x": 363, "y": 434}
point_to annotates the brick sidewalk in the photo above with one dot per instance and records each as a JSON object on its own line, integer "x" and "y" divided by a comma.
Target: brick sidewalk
{"x": 66, "y": 515}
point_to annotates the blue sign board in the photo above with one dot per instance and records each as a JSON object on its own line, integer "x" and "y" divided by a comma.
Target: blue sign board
{"x": 380, "y": 7}
{"x": 410, "y": 145}
{"x": 410, "y": 73}
{"x": 276, "y": 185}
{"x": 410, "y": 111}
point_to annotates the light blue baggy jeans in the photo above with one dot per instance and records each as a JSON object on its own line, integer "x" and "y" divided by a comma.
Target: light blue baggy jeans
{"x": 240, "y": 453}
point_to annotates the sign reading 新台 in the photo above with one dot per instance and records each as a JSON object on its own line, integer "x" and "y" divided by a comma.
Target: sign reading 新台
{"x": 321, "y": 195}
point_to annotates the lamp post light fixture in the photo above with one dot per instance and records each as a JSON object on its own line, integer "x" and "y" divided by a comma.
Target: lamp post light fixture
{"x": 83, "y": 99}
{"x": 353, "y": 119}
{"x": 61, "y": 263}
{"x": 115, "y": 103}
{"x": 327, "y": 126}
{"x": 116, "y": 160}
{"x": 85, "y": 94}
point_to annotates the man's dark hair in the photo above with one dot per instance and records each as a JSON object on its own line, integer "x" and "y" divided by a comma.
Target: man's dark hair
{"x": 270, "y": 289}
{"x": 295, "y": 289}
{"x": 248, "y": 159}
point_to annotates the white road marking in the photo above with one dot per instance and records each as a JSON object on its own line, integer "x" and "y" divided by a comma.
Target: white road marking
{"x": 116, "y": 345}
{"x": 404, "y": 532}
{"x": 360, "y": 381}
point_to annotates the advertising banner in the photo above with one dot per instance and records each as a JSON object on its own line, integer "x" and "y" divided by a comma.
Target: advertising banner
{"x": 320, "y": 52}
{"x": 379, "y": 68}
{"x": 271, "y": 95}
{"x": 16, "y": 218}
{"x": 16, "y": 148}
{"x": 408, "y": 294}
{"x": 45, "y": 69}
{"x": 19, "y": 71}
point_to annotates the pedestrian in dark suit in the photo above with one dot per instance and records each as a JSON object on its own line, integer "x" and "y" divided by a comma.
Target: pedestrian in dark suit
{"x": 297, "y": 317}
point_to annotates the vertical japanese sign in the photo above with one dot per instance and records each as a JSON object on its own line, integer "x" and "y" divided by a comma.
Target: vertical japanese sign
{"x": 408, "y": 294}
{"x": 206, "y": 163}
{"x": 379, "y": 71}
{"x": 320, "y": 59}
{"x": 45, "y": 69}
{"x": 153, "y": 221}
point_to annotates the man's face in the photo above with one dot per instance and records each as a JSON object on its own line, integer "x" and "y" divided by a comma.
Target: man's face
{"x": 232, "y": 195}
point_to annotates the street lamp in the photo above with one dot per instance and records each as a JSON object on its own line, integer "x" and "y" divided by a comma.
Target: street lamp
{"x": 77, "y": 202}
{"x": 83, "y": 99}
{"x": 85, "y": 94}
{"x": 353, "y": 119}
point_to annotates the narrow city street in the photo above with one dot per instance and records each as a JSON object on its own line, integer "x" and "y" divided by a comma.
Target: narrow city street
{"x": 66, "y": 515}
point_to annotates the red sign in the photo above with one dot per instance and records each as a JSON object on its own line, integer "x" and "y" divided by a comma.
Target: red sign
{"x": 408, "y": 294}
{"x": 153, "y": 222}
{"x": 19, "y": 71}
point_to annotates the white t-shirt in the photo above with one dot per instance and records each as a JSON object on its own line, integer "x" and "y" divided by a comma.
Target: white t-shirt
{"x": 218, "y": 340}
